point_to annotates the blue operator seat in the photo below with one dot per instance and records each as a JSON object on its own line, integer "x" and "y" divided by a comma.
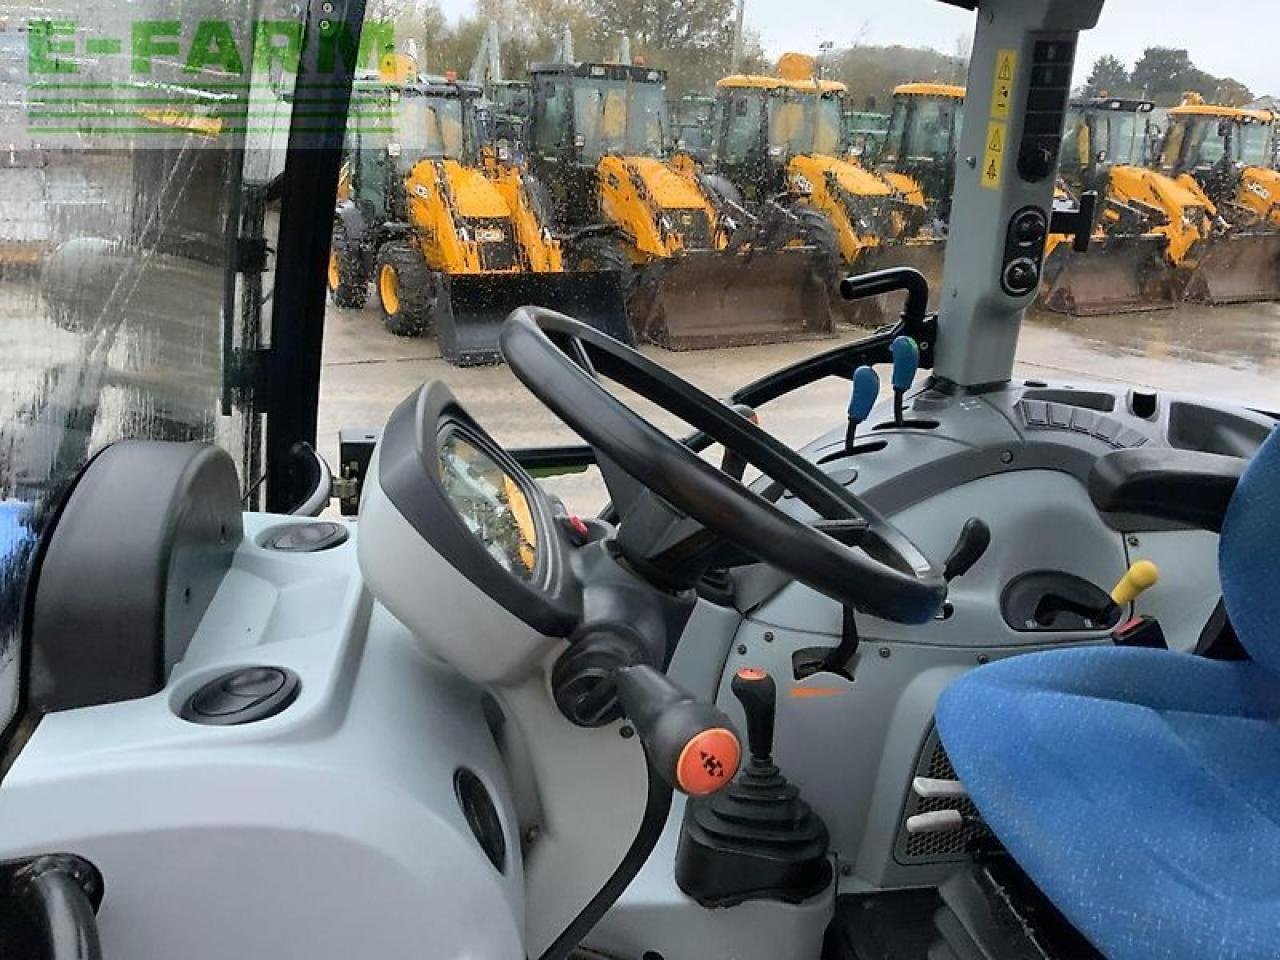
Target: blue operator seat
{"x": 1139, "y": 788}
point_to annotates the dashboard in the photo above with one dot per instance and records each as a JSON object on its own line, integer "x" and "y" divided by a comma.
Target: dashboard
{"x": 475, "y": 506}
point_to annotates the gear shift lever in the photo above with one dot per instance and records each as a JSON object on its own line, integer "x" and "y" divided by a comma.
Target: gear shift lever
{"x": 756, "y": 839}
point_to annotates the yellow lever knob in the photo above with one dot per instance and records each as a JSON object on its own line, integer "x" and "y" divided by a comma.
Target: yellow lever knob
{"x": 1138, "y": 579}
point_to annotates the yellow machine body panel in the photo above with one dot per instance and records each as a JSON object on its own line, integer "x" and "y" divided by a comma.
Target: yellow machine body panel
{"x": 1260, "y": 194}
{"x": 660, "y": 211}
{"x": 444, "y": 199}
{"x": 907, "y": 186}
{"x": 541, "y": 249}
{"x": 828, "y": 183}
{"x": 1188, "y": 212}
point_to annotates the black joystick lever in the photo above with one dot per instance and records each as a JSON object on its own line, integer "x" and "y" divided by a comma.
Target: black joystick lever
{"x": 756, "y": 839}
{"x": 975, "y": 537}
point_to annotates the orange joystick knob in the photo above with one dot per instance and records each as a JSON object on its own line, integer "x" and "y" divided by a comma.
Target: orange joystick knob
{"x": 691, "y": 744}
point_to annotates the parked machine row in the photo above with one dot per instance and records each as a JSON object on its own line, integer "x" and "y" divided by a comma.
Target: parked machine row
{"x": 729, "y": 220}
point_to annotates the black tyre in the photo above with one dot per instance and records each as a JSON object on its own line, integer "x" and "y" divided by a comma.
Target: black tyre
{"x": 820, "y": 234}
{"x": 597, "y": 253}
{"x": 347, "y": 279}
{"x": 408, "y": 290}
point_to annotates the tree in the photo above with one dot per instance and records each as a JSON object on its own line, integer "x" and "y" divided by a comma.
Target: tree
{"x": 871, "y": 72}
{"x": 1231, "y": 92}
{"x": 1109, "y": 77}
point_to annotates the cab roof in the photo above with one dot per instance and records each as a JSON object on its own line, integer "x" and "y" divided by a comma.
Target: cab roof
{"x": 1222, "y": 112}
{"x": 796, "y": 71}
{"x": 1118, "y": 104}
{"x": 948, "y": 90}
{"x": 752, "y": 81}
{"x": 636, "y": 73}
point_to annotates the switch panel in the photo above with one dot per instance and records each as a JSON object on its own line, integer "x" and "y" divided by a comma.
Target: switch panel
{"x": 1024, "y": 251}
{"x": 1047, "y": 97}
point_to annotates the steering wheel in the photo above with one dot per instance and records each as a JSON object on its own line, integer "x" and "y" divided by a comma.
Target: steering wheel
{"x": 852, "y": 555}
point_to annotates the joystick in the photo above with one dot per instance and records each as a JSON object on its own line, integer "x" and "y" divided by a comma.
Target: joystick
{"x": 866, "y": 387}
{"x": 756, "y": 839}
{"x": 906, "y": 361}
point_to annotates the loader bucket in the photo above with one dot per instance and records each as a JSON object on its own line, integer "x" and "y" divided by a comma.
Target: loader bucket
{"x": 476, "y": 305}
{"x": 707, "y": 299}
{"x": 924, "y": 254}
{"x": 1237, "y": 268}
{"x": 1116, "y": 275}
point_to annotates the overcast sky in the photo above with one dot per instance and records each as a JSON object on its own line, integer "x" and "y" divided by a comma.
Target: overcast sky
{"x": 1227, "y": 37}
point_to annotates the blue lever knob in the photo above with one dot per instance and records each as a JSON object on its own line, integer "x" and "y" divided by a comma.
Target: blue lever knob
{"x": 866, "y": 387}
{"x": 906, "y": 361}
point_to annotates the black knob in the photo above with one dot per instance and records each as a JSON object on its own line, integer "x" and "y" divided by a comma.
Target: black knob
{"x": 1021, "y": 277}
{"x": 1030, "y": 229}
{"x": 758, "y": 695}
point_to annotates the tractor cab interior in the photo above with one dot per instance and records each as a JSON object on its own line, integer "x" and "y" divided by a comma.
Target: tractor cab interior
{"x": 985, "y": 669}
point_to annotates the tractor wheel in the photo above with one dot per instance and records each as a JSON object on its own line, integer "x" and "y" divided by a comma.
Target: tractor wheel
{"x": 348, "y": 284}
{"x": 596, "y": 253}
{"x": 820, "y": 234}
{"x": 407, "y": 289}
{"x": 602, "y": 253}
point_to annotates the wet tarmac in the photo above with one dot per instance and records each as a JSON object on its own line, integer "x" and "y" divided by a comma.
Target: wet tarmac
{"x": 1232, "y": 353}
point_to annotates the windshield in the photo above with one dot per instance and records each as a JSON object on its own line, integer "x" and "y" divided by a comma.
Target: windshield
{"x": 140, "y": 189}
{"x": 923, "y": 128}
{"x": 1255, "y": 144}
{"x": 619, "y": 116}
{"x": 1199, "y": 140}
{"x": 801, "y": 122}
{"x": 431, "y": 128}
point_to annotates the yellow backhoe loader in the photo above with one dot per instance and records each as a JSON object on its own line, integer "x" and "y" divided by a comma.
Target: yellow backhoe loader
{"x": 697, "y": 276}
{"x": 780, "y": 142}
{"x": 1228, "y": 153}
{"x": 448, "y": 246}
{"x": 1148, "y": 230}
{"x": 918, "y": 161}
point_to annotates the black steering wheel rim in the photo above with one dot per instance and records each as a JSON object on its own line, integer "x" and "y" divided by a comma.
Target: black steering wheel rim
{"x": 888, "y": 577}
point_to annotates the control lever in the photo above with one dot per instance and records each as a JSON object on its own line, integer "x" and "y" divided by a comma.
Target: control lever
{"x": 975, "y": 537}
{"x": 866, "y": 388}
{"x": 906, "y": 361}
{"x": 1137, "y": 580}
{"x": 692, "y": 745}
{"x": 758, "y": 695}
{"x": 1077, "y": 224}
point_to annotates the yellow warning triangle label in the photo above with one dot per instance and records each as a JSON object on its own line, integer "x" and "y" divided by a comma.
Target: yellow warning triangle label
{"x": 1006, "y": 69}
{"x": 996, "y": 144}
{"x": 993, "y": 171}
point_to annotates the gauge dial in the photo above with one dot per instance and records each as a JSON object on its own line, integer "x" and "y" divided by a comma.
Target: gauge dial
{"x": 490, "y": 502}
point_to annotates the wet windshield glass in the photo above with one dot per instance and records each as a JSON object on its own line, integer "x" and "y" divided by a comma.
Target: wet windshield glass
{"x": 619, "y": 116}
{"x": 802, "y": 122}
{"x": 1205, "y": 144}
{"x": 1255, "y": 144}
{"x": 131, "y": 175}
{"x": 1122, "y": 134}
{"x": 431, "y": 128}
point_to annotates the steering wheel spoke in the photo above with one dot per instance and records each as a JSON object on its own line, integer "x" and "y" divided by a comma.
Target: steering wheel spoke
{"x": 852, "y": 554}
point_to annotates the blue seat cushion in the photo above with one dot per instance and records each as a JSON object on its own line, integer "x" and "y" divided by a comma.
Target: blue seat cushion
{"x": 1140, "y": 789}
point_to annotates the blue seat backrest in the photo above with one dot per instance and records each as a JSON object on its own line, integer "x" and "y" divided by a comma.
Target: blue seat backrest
{"x": 1249, "y": 557}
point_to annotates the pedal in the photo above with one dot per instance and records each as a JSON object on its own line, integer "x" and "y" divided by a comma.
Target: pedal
{"x": 931, "y": 788}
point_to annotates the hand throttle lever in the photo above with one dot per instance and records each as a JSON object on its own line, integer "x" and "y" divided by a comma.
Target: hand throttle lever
{"x": 691, "y": 744}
